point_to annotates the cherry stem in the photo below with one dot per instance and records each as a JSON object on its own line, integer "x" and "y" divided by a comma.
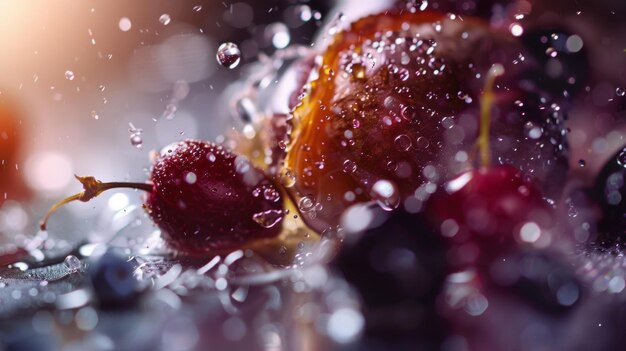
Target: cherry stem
{"x": 486, "y": 102}
{"x": 91, "y": 188}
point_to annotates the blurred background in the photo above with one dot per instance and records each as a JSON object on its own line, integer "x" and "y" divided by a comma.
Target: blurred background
{"x": 91, "y": 87}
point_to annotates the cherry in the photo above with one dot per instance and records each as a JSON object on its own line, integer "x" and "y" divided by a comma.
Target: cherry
{"x": 489, "y": 211}
{"x": 610, "y": 193}
{"x": 204, "y": 197}
{"x": 395, "y": 100}
{"x": 503, "y": 247}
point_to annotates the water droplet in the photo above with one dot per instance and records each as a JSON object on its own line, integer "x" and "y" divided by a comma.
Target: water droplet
{"x": 422, "y": 143}
{"x": 402, "y": 142}
{"x": 516, "y": 29}
{"x": 621, "y": 158}
{"x": 271, "y": 194}
{"x": 72, "y": 263}
{"x": 165, "y": 19}
{"x": 572, "y": 211}
{"x": 386, "y": 194}
{"x": 282, "y": 250}
{"x": 197, "y": 8}
{"x": 69, "y": 75}
{"x": 287, "y": 177}
{"x": 551, "y": 52}
{"x": 279, "y": 34}
{"x": 349, "y": 166}
{"x": 211, "y": 157}
{"x": 170, "y": 111}
{"x": 269, "y": 218}
{"x": 191, "y": 178}
{"x": 306, "y": 204}
{"x": 304, "y": 13}
{"x": 124, "y": 24}
{"x": 533, "y": 131}
{"x": 94, "y": 115}
{"x": 228, "y": 55}
{"x": 619, "y": 91}
{"x": 136, "y": 140}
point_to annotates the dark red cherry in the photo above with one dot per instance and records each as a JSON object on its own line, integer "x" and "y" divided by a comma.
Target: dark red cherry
{"x": 207, "y": 198}
{"x": 395, "y": 99}
{"x": 490, "y": 212}
{"x": 204, "y": 197}
{"x": 610, "y": 193}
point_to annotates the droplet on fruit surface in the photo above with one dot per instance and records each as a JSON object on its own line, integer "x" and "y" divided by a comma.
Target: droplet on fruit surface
{"x": 619, "y": 91}
{"x": 191, "y": 178}
{"x": 287, "y": 178}
{"x": 402, "y": 142}
{"x": 271, "y": 194}
{"x": 165, "y": 19}
{"x": 621, "y": 158}
{"x": 269, "y": 218}
{"x": 306, "y": 204}
{"x": 228, "y": 55}
{"x": 69, "y": 75}
{"x": 386, "y": 194}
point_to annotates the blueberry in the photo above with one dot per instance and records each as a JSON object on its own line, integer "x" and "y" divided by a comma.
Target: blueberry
{"x": 113, "y": 281}
{"x": 561, "y": 56}
{"x": 398, "y": 268}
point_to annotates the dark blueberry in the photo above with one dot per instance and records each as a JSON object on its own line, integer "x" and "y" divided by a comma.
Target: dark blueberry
{"x": 398, "y": 268}
{"x": 113, "y": 281}
{"x": 25, "y": 339}
{"x": 610, "y": 192}
{"x": 542, "y": 279}
{"x": 563, "y": 60}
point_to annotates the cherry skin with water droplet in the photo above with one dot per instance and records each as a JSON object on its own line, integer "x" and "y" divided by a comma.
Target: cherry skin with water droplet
{"x": 487, "y": 213}
{"x": 396, "y": 99}
{"x": 207, "y": 198}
